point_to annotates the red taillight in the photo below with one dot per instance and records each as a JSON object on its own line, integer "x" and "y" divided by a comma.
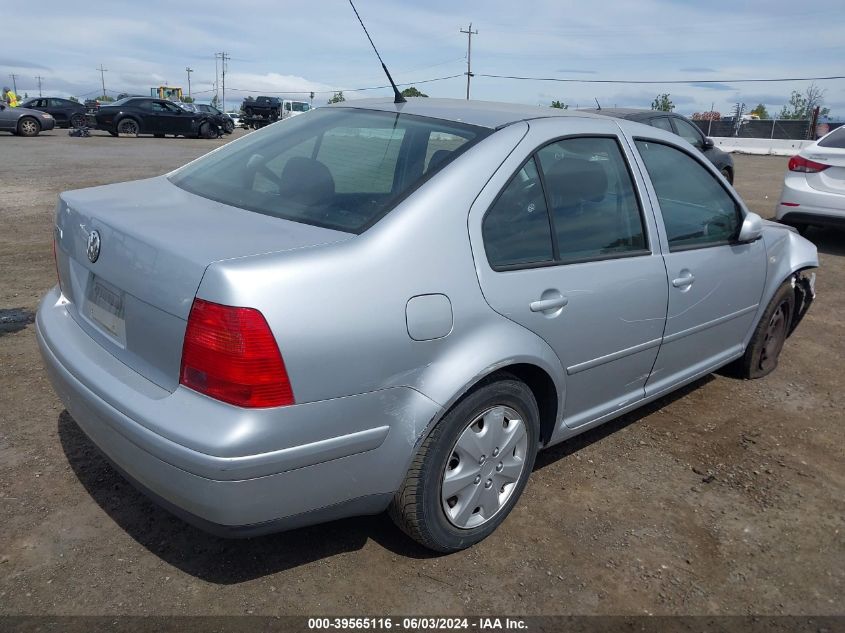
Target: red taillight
{"x": 799, "y": 163}
{"x": 230, "y": 354}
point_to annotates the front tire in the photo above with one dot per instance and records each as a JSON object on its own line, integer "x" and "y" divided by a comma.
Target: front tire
{"x": 28, "y": 126}
{"x": 763, "y": 351}
{"x": 472, "y": 468}
{"x": 78, "y": 120}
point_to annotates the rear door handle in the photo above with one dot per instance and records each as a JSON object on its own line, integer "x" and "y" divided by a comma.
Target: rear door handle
{"x": 544, "y": 305}
{"x": 684, "y": 280}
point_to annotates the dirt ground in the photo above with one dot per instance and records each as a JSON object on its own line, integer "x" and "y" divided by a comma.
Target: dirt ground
{"x": 725, "y": 498}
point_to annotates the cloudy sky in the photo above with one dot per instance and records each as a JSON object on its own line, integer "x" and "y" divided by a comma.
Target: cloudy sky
{"x": 318, "y": 45}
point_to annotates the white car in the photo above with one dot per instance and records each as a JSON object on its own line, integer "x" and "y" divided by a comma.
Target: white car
{"x": 814, "y": 187}
{"x": 236, "y": 118}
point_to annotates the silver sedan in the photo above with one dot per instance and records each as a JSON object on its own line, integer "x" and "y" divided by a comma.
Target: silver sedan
{"x": 814, "y": 186}
{"x": 376, "y": 306}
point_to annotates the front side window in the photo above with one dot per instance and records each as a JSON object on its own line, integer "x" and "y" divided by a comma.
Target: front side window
{"x": 593, "y": 205}
{"x": 341, "y": 168}
{"x": 697, "y": 211}
{"x": 516, "y": 229}
{"x": 689, "y": 133}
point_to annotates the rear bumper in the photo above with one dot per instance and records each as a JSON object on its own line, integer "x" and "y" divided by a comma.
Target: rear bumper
{"x": 342, "y": 474}
{"x": 800, "y": 204}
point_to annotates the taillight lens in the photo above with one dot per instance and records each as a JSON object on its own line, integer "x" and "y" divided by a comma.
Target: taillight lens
{"x": 799, "y": 163}
{"x": 230, "y": 354}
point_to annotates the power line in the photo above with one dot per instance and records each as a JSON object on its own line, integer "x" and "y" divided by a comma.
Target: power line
{"x": 333, "y": 90}
{"x": 469, "y": 33}
{"x": 657, "y": 81}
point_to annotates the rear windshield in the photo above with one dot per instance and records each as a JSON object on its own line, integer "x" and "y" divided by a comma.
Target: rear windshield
{"x": 339, "y": 168}
{"x": 834, "y": 139}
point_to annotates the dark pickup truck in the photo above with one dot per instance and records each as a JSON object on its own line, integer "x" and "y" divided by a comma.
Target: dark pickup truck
{"x": 266, "y": 107}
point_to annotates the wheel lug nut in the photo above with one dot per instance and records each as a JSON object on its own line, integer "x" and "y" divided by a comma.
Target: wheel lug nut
{"x": 482, "y": 460}
{"x": 495, "y": 452}
{"x": 477, "y": 479}
{"x": 499, "y": 467}
{"x": 488, "y": 483}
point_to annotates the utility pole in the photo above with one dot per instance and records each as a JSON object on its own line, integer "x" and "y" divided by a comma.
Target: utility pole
{"x": 14, "y": 82}
{"x": 469, "y": 32}
{"x": 39, "y": 78}
{"x": 189, "y": 71}
{"x": 224, "y": 58}
{"x": 103, "y": 77}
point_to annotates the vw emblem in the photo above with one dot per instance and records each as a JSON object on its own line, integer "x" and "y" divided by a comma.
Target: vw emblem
{"x": 93, "y": 246}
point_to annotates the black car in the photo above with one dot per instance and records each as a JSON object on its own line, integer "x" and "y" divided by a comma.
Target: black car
{"x": 223, "y": 121}
{"x": 146, "y": 115}
{"x": 67, "y": 113}
{"x": 681, "y": 126}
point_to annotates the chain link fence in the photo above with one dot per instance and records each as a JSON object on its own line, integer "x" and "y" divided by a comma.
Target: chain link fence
{"x": 789, "y": 129}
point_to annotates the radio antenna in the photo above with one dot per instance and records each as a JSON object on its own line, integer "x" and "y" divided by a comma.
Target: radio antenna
{"x": 597, "y": 102}
{"x": 397, "y": 96}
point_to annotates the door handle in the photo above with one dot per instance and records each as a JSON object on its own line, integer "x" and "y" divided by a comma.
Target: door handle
{"x": 544, "y": 305}
{"x": 684, "y": 280}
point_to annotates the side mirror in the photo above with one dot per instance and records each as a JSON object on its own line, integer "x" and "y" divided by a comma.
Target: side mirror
{"x": 752, "y": 228}
{"x": 708, "y": 143}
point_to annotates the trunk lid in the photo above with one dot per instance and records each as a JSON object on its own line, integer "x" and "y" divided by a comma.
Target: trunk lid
{"x": 832, "y": 179}
{"x": 155, "y": 242}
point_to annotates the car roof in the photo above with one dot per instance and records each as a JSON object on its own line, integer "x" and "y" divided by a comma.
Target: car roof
{"x": 482, "y": 113}
{"x": 630, "y": 113}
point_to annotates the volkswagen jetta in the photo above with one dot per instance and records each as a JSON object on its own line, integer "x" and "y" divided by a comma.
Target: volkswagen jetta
{"x": 376, "y": 306}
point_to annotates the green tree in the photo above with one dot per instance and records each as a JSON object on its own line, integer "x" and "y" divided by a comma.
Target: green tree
{"x": 801, "y": 106}
{"x": 105, "y": 98}
{"x": 662, "y": 102}
{"x": 186, "y": 99}
{"x": 74, "y": 99}
{"x": 761, "y": 111}
{"x": 560, "y": 105}
{"x": 337, "y": 97}
{"x": 413, "y": 92}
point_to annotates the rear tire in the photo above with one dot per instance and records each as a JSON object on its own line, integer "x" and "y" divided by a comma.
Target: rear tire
{"x": 28, "y": 126}
{"x": 77, "y": 120}
{"x": 501, "y": 420}
{"x": 228, "y": 126}
{"x": 763, "y": 351}
{"x": 128, "y": 126}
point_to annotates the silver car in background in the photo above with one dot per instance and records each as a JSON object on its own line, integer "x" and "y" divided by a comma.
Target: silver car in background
{"x": 814, "y": 186}
{"x": 376, "y": 306}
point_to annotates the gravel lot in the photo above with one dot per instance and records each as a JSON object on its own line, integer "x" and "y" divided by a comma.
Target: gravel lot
{"x": 725, "y": 498}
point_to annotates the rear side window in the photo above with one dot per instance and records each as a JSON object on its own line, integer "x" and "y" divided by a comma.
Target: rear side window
{"x": 573, "y": 201}
{"x": 340, "y": 168}
{"x": 662, "y": 123}
{"x": 516, "y": 229}
{"x": 593, "y": 205}
{"x": 834, "y": 139}
{"x": 697, "y": 211}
